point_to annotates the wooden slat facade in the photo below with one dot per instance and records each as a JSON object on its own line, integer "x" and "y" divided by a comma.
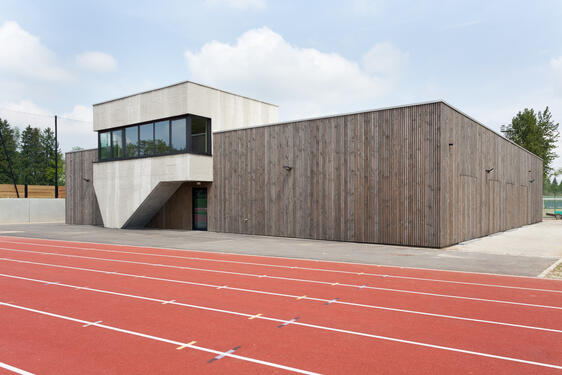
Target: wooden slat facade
{"x": 81, "y": 202}
{"x": 475, "y": 203}
{"x": 386, "y": 176}
{"x": 368, "y": 177}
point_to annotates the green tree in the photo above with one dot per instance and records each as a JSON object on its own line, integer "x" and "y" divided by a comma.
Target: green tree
{"x": 537, "y": 133}
{"x": 32, "y": 157}
{"x": 48, "y": 148}
{"x": 11, "y": 138}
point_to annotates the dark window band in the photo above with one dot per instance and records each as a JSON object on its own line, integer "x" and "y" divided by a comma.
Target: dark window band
{"x": 182, "y": 134}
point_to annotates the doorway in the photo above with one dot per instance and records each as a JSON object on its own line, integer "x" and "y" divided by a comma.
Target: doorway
{"x": 199, "y": 208}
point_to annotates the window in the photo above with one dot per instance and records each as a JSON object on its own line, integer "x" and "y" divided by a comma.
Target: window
{"x": 162, "y": 137}
{"x": 132, "y": 141}
{"x": 105, "y": 146}
{"x": 117, "y": 144}
{"x": 146, "y": 139}
{"x": 179, "y": 133}
{"x": 199, "y": 135}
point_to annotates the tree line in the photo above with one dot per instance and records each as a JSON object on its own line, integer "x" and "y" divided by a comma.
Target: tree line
{"x": 32, "y": 154}
{"x": 552, "y": 187}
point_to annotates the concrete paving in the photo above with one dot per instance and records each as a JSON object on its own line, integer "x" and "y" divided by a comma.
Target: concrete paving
{"x": 458, "y": 258}
{"x": 537, "y": 240}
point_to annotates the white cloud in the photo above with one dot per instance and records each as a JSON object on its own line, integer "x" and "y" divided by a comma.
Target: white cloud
{"x": 303, "y": 81}
{"x": 96, "y": 61}
{"x": 238, "y": 4}
{"x": 23, "y": 54}
{"x": 385, "y": 59}
{"x": 74, "y": 127}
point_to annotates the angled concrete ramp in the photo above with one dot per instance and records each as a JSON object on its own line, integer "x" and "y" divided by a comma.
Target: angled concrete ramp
{"x": 155, "y": 200}
{"x": 130, "y": 192}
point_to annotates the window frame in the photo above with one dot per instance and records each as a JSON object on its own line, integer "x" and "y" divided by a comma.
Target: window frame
{"x": 171, "y": 151}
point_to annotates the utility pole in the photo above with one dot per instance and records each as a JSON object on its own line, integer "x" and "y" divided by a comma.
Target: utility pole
{"x": 56, "y": 161}
{"x": 9, "y": 164}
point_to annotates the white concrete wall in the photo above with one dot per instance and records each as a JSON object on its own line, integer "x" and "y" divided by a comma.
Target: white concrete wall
{"x": 122, "y": 186}
{"x": 31, "y": 210}
{"x": 226, "y": 111}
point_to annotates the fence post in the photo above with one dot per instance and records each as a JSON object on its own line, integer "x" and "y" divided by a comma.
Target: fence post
{"x": 25, "y": 188}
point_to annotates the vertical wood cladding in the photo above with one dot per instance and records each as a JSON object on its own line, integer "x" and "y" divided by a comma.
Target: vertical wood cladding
{"x": 475, "y": 203}
{"x": 81, "y": 204}
{"x": 368, "y": 177}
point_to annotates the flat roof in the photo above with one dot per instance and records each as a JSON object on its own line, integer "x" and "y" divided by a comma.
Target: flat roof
{"x": 181, "y": 83}
{"x": 377, "y": 110}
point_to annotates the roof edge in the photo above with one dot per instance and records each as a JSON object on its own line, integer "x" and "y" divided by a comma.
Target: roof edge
{"x": 182, "y": 83}
{"x": 490, "y": 129}
{"x": 332, "y": 116}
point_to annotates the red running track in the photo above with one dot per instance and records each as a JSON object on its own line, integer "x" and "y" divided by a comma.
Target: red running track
{"x": 71, "y": 307}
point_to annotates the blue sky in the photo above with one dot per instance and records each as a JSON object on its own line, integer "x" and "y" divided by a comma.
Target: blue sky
{"x": 489, "y": 58}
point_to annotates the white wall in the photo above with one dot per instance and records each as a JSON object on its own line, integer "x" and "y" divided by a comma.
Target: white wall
{"x": 226, "y": 111}
{"x": 31, "y": 210}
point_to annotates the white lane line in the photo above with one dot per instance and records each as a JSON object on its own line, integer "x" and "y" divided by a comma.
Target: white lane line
{"x": 156, "y": 338}
{"x": 3, "y": 238}
{"x": 293, "y": 321}
{"x": 91, "y": 323}
{"x": 14, "y": 369}
{"x": 288, "y": 296}
{"x": 293, "y": 267}
{"x": 288, "y": 279}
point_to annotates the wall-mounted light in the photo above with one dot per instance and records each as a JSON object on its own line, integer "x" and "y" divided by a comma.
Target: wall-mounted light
{"x": 86, "y": 179}
{"x": 489, "y": 170}
{"x": 287, "y": 168}
{"x": 532, "y": 180}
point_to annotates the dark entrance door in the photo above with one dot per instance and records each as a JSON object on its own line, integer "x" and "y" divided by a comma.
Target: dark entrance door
{"x": 199, "y": 208}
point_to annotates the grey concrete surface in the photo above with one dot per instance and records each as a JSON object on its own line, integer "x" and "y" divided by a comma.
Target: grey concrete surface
{"x": 31, "y": 210}
{"x": 469, "y": 261}
{"x": 542, "y": 239}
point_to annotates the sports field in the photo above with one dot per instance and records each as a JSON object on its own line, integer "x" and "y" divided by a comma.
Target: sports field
{"x": 77, "y": 308}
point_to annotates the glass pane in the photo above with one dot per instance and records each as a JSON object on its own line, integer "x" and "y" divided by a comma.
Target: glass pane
{"x": 199, "y": 208}
{"x": 117, "y": 143}
{"x": 162, "y": 137}
{"x": 146, "y": 139}
{"x": 105, "y": 147}
{"x": 198, "y": 135}
{"x": 132, "y": 141}
{"x": 178, "y": 134}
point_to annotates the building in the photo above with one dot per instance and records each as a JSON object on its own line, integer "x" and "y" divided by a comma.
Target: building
{"x": 188, "y": 156}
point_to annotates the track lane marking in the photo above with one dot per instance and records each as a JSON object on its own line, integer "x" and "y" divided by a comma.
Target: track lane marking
{"x": 297, "y": 267}
{"x": 291, "y": 296}
{"x": 2, "y": 238}
{"x": 283, "y": 322}
{"x": 287, "y": 278}
{"x": 294, "y": 322}
{"x": 14, "y": 369}
{"x": 161, "y": 339}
